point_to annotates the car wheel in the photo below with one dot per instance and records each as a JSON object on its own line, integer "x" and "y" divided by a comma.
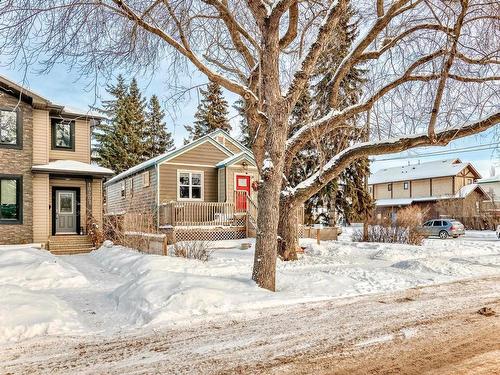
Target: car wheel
{"x": 443, "y": 234}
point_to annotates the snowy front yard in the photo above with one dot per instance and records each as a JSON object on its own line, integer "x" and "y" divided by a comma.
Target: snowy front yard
{"x": 115, "y": 290}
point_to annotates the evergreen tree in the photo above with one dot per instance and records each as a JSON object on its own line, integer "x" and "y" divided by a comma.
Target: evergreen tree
{"x": 105, "y": 150}
{"x": 119, "y": 139}
{"x": 156, "y": 138}
{"x": 345, "y": 195}
{"x": 239, "y": 105}
{"x": 211, "y": 113}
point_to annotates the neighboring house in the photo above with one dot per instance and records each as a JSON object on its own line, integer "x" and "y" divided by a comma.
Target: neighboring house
{"x": 49, "y": 190}
{"x": 492, "y": 186}
{"x": 442, "y": 188}
{"x": 209, "y": 183}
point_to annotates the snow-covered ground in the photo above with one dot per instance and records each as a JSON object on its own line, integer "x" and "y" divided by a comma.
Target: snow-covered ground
{"x": 115, "y": 290}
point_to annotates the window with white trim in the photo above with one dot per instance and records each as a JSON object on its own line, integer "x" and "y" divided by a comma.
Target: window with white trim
{"x": 145, "y": 179}
{"x": 190, "y": 185}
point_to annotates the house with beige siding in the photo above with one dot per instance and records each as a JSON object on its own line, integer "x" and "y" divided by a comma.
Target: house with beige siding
{"x": 209, "y": 184}
{"x": 443, "y": 188}
{"x": 50, "y": 193}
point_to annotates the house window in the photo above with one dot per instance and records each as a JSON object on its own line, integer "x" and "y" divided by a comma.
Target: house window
{"x": 10, "y": 128}
{"x": 370, "y": 189}
{"x": 63, "y": 135}
{"x": 145, "y": 179}
{"x": 389, "y": 187}
{"x": 131, "y": 186}
{"x": 124, "y": 189}
{"x": 190, "y": 185}
{"x": 405, "y": 185}
{"x": 10, "y": 199}
{"x": 469, "y": 181}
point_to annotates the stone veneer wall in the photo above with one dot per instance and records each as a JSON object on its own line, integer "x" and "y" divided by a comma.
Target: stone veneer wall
{"x": 18, "y": 162}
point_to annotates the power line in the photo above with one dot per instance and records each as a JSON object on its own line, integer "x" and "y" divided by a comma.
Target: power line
{"x": 490, "y": 146}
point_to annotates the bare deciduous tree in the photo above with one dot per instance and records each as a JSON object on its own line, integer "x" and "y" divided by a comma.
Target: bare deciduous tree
{"x": 432, "y": 69}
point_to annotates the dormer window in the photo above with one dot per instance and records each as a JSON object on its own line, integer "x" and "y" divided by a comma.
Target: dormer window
{"x": 10, "y": 128}
{"x": 63, "y": 135}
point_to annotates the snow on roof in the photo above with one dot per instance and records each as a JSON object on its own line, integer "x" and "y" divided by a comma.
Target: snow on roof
{"x": 488, "y": 180}
{"x": 467, "y": 189}
{"x": 72, "y": 166}
{"x": 432, "y": 169}
{"x": 170, "y": 154}
{"x": 394, "y": 202}
{"x": 462, "y": 193}
{"x": 82, "y": 112}
{"x": 234, "y": 158}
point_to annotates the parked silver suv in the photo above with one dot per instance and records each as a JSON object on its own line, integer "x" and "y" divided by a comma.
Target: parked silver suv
{"x": 443, "y": 228}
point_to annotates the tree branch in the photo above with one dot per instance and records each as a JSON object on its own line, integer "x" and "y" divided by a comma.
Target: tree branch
{"x": 389, "y": 43}
{"x": 235, "y": 30}
{"x": 301, "y": 77}
{"x": 446, "y": 70}
{"x": 293, "y": 23}
{"x": 371, "y": 34}
{"x": 230, "y": 85}
{"x": 320, "y": 126}
{"x": 338, "y": 163}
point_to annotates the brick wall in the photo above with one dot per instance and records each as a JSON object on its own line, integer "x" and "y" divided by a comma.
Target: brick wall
{"x": 18, "y": 162}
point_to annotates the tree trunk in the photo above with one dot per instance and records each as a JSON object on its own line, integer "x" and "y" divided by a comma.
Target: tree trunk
{"x": 271, "y": 169}
{"x": 264, "y": 270}
{"x": 288, "y": 232}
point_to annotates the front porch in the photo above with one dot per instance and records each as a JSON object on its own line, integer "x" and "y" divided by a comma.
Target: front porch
{"x": 67, "y": 202}
{"x": 209, "y": 220}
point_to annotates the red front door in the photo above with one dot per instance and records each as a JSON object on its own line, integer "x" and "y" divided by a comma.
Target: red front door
{"x": 242, "y": 185}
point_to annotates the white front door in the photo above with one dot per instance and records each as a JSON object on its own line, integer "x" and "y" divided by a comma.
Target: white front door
{"x": 66, "y": 212}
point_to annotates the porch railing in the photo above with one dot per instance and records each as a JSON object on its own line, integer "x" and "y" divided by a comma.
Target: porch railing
{"x": 200, "y": 214}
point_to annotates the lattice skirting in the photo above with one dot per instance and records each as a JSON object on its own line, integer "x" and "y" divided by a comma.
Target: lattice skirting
{"x": 212, "y": 234}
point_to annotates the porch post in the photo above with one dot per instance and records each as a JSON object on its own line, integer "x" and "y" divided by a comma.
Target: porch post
{"x": 88, "y": 192}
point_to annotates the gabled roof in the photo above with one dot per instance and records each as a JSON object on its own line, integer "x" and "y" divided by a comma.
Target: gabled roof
{"x": 433, "y": 169}
{"x": 72, "y": 167}
{"x": 465, "y": 190}
{"x": 41, "y": 101}
{"x": 217, "y": 132}
{"x": 170, "y": 155}
{"x": 236, "y": 158}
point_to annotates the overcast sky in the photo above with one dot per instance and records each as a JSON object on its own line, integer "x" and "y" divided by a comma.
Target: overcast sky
{"x": 64, "y": 87}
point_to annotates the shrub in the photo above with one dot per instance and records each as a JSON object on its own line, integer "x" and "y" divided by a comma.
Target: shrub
{"x": 200, "y": 250}
{"x": 405, "y": 230}
{"x": 131, "y": 229}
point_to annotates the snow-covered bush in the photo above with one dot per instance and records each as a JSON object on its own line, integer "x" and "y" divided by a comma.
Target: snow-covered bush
{"x": 200, "y": 250}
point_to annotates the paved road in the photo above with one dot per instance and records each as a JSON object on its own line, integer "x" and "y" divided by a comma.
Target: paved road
{"x": 433, "y": 329}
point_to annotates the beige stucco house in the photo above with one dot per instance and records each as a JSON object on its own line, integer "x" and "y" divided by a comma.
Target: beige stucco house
{"x": 209, "y": 184}
{"x": 49, "y": 191}
{"x": 443, "y": 188}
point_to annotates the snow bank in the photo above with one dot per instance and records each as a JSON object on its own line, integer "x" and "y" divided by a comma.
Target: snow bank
{"x": 37, "y": 269}
{"x": 174, "y": 290}
{"x": 25, "y": 314}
